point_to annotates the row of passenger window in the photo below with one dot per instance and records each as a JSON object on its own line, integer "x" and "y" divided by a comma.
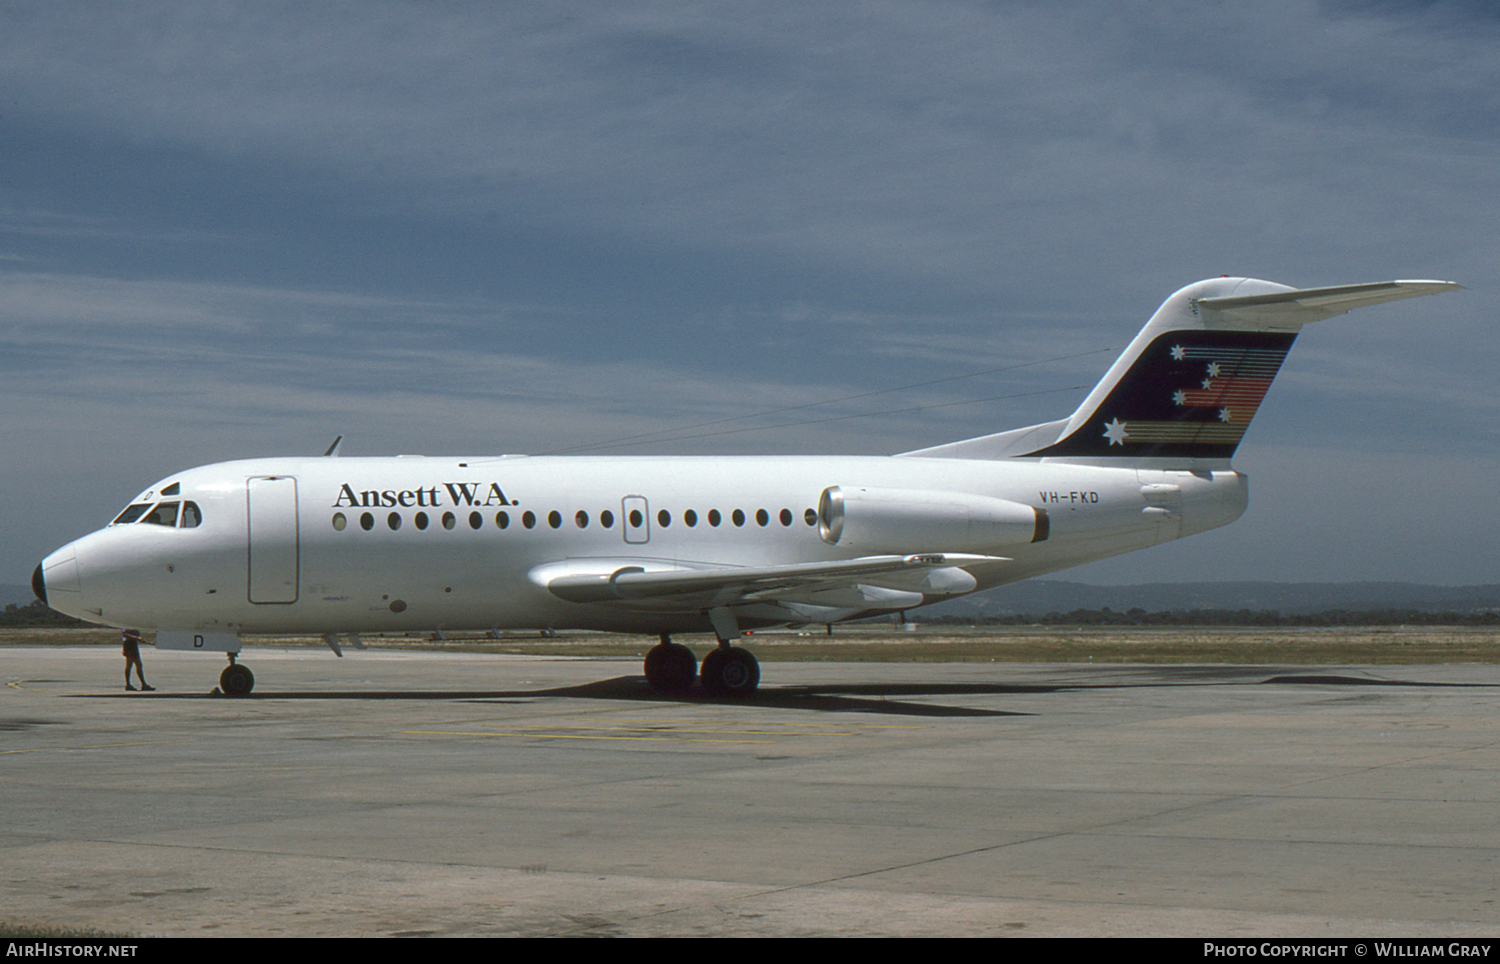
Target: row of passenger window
{"x": 634, "y": 519}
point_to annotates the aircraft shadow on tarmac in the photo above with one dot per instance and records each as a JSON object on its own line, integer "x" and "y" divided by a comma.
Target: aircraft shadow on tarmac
{"x": 835, "y": 698}
{"x": 867, "y": 697}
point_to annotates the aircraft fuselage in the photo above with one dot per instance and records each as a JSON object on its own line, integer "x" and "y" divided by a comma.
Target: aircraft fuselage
{"x": 413, "y": 543}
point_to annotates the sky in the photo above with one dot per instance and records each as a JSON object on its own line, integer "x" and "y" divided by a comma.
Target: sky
{"x": 231, "y": 230}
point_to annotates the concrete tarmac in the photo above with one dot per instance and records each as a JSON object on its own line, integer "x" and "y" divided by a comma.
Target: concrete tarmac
{"x": 438, "y": 794}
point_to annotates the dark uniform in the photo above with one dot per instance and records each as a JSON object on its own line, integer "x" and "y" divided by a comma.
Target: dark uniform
{"x": 130, "y": 645}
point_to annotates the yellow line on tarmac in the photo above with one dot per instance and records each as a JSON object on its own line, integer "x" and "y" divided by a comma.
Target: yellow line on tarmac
{"x": 15, "y": 684}
{"x": 98, "y": 746}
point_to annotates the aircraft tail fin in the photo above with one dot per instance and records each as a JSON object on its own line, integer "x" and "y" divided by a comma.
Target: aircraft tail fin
{"x": 1188, "y": 385}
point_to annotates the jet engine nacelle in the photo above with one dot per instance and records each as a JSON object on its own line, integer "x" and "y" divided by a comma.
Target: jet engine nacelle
{"x": 919, "y": 520}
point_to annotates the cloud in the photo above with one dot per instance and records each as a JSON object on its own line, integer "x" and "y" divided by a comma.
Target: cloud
{"x": 936, "y": 140}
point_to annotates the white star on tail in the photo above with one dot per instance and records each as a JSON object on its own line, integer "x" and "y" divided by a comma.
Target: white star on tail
{"x": 1115, "y": 432}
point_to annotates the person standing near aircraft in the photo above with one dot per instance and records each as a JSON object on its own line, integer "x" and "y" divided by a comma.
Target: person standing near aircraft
{"x": 130, "y": 645}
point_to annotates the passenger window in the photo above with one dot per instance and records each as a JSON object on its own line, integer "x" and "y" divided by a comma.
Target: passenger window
{"x": 131, "y": 513}
{"x": 163, "y": 515}
{"x": 528, "y": 519}
{"x": 339, "y": 522}
{"x": 191, "y": 516}
{"x": 449, "y": 520}
{"x": 554, "y": 519}
{"x": 664, "y": 518}
{"x": 476, "y": 521}
{"x": 737, "y": 517}
{"x": 690, "y": 518}
{"x": 502, "y": 520}
{"x": 420, "y": 520}
{"x": 761, "y": 518}
{"x": 607, "y": 519}
{"x": 393, "y": 520}
{"x": 581, "y": 519}
{"x": 366, "y": 521}
{"x": 786, "y": 517}
{"x": 810, "y": 516}
{"x": 713, "y": 517}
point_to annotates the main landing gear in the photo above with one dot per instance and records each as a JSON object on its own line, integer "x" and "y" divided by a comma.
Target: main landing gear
{"x": 730, "y": 671}
{"x": 236, "y": 680}
{"x": 727, "y": 671}
{"x": 670, "y": 667}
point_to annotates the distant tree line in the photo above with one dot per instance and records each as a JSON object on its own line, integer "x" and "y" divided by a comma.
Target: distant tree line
{"x": 35, "y": 615}
{"x": 1228, "y": 617}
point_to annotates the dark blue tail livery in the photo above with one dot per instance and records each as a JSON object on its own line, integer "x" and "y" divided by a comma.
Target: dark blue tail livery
{"x": 1189, "y": 394}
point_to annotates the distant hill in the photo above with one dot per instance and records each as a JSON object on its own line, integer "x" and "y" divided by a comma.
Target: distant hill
{"x": 1041, "y": 596}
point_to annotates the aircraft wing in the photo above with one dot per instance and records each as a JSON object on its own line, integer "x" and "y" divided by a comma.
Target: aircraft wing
{"x": 888, "y": 581}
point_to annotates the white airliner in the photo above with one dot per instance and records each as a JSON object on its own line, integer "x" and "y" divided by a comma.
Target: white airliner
{"x": 664, "y": 545}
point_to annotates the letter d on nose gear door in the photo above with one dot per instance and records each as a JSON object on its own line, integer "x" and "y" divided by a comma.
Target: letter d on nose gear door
{"x": 271, "y": 505}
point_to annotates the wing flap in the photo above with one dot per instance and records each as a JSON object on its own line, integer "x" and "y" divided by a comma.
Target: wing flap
{"x": 684, "y": 586}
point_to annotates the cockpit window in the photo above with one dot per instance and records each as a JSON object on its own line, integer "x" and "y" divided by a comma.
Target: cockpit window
{"x": 131, "y": 513}
{"x": 164, "y": 514}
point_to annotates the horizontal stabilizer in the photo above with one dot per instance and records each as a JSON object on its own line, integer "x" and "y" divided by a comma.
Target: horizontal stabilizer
{"x": 1302, "y": 305}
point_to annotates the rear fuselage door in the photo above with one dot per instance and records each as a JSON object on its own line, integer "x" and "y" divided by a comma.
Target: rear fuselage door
{"x": 271, "y": 502}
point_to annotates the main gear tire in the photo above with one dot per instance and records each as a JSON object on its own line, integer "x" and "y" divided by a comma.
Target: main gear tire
{"x": 670, "y": 667}
{"x": 730, "y": 671}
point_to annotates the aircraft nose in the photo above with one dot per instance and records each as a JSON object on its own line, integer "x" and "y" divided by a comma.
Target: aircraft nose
{"x": 56, "y": 581}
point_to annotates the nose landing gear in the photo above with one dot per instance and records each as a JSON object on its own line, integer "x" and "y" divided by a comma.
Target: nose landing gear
{"x": 236, "y": 680}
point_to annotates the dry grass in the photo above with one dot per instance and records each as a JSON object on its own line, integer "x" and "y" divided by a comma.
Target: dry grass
{"x": 1414, "y": 645}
